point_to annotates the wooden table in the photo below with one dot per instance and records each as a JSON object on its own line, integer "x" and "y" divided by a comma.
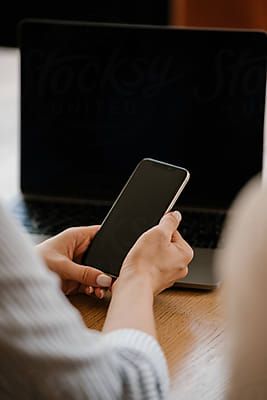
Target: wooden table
{"x": 190, "y": 329}
{"x": 190, "y": 323}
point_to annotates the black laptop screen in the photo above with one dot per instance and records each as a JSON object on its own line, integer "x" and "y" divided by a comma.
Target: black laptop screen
{"x": 97, "y": 99}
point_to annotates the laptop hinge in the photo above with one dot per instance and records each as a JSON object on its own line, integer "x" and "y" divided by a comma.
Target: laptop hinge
{"x": 66, "y": 200}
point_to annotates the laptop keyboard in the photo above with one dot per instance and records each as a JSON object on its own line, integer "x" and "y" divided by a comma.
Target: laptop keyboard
{"x": 202, "y": 229}
{"x": 199, "y": 229}
{"x": 51, "y": 218}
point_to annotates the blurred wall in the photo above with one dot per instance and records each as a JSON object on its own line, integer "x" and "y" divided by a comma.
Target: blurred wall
{"x": 219, "y": 13}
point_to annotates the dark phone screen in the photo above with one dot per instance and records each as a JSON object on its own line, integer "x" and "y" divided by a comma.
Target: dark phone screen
{"x": 142, "y": 203}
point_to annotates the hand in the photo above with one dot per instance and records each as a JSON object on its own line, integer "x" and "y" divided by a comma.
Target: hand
{"x": 62, "y": 254}
{"x": 160, "y": 255}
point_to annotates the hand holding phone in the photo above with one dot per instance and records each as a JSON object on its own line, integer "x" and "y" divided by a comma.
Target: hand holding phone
{"x": 160, "y": 257}
{"x": 151, "y": 191}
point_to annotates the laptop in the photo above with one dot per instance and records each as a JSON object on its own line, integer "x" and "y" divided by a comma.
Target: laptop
{"x": 97, "y": 98}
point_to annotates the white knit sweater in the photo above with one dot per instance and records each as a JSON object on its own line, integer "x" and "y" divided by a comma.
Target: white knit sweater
{"x": 46, "y": 351}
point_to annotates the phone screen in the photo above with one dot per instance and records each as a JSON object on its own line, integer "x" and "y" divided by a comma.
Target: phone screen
{"x": 142, "y": 202}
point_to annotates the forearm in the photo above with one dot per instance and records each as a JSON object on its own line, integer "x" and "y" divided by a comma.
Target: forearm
{"x": 131, "y": 305}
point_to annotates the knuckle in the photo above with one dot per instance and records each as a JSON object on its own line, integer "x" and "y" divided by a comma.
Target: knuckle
{"x": 182, "y": 264}
{"x": 183, "y": 272}
{"x": 189, "y": 252}
{"x": 68, "y": 231}
{"x": 145, "y": 235}
{"x": 86, "y": 275}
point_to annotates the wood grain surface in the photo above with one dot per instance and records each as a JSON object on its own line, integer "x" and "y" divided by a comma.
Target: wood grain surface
{"x": 190, "y": 323}
{"x": 190, "y": 328}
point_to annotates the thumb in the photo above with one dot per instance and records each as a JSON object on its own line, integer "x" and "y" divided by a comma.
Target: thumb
{"x": 170, "y": 222}
{"x": 88, "y": 275}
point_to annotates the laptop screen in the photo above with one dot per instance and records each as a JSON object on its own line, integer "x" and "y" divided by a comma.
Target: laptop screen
{"x": 96, "y": 99}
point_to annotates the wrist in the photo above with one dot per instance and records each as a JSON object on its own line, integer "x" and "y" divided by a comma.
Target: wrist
{"x": 131, "y": 304}
{"x": 131, "y": 276}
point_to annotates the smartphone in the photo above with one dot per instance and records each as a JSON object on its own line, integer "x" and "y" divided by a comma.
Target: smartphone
{"x": 151, "y": 191}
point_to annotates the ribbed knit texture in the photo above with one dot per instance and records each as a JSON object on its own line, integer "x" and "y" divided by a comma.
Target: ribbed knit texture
{"x": 46, "y": 351}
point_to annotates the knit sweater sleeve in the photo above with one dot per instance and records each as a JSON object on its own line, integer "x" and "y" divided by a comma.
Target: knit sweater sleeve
{"x": 46, "y": 350}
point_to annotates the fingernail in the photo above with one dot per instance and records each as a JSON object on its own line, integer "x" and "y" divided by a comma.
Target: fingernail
{"x": 102, "y": 294}
{"x": 89, "y": 290}
{"x": 103, "y": 280}
{"x": 177, "y": 214}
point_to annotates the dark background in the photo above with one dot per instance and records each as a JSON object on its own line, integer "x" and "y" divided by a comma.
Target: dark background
{"x": 204, "y": 13}
{"x": 97, "y": 99}
{"x": 153, "y": 12}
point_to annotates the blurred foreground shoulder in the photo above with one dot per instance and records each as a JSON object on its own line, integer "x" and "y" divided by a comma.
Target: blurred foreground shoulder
{"x": 242, "y": 266}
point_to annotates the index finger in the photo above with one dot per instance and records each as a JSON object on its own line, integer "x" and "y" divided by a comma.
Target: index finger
{"x": 81, "y": 233}
{"x": 170, "y": 222}
{"x": 79, "y": 238}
